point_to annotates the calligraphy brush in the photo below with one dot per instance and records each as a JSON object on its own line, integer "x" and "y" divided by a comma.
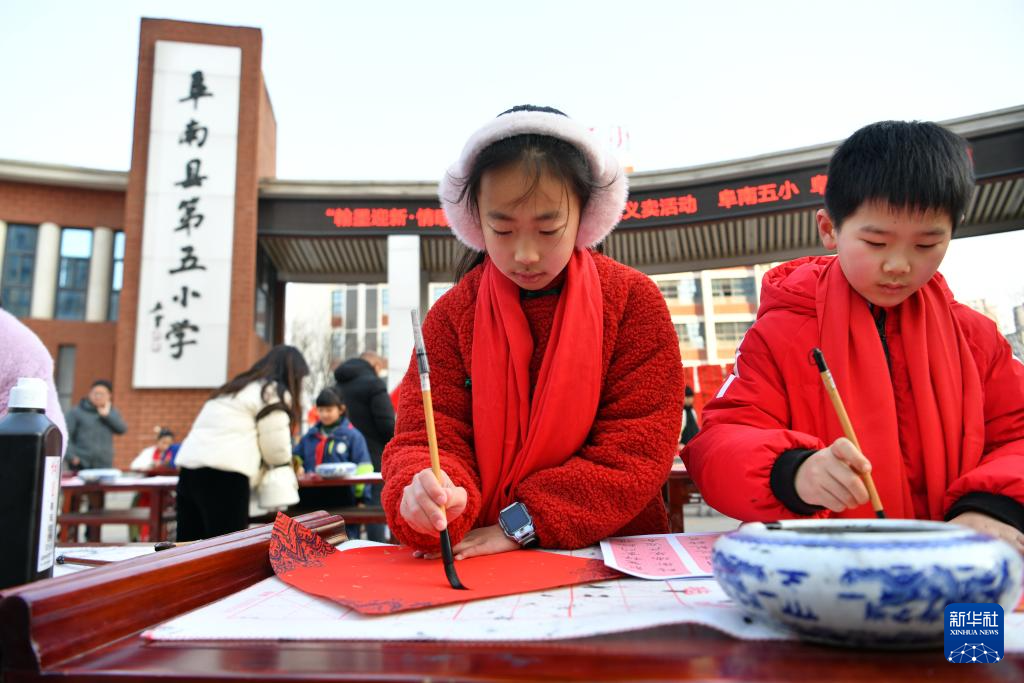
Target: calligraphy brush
{"x": 84, "y": 561}
{"x": 435, "y": 459}
{"x": 844, "y": 419}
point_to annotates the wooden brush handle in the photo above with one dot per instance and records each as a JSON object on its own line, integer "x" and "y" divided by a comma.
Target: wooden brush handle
{"x": 428, "y": 416}
{"x": 844, "y": 420}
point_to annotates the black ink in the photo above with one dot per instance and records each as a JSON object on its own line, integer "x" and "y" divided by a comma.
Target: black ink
{"x": 192, "y": 177}
{"x": 196, "y": 90}
{"x": 188, "y": 261}
{"x": 194, "y": 133}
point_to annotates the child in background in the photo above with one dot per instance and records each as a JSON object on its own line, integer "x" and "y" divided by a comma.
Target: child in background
{"x": 332, "y": 439}
{"x": 935, "y": 397}
{"x": 159, "y": 455}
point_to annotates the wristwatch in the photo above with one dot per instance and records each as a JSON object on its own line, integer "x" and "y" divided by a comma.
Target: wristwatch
{"x": 517, "y": 524}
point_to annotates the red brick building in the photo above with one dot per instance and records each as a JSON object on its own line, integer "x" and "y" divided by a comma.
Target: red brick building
{"x": 73, "y": 241}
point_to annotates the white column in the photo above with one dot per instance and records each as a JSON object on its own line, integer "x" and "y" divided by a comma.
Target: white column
{"x": 97, "y": 297}
{"x": 710, "y": 341}
{"x": 44, "y": 280}
{"x": 405, "y": 291}
{"x": 3, "y": 246}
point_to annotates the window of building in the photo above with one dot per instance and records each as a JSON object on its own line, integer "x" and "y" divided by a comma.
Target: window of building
{"x": 337, "y": 346}
{"x": 732, "y": 331}
{"x": 669, "y": 289}
{"x": 733, "y": 287}
{"x": 73, "y": 274}
{"x": 116, "y": 277}
{"x": 338, "y": 304}
{"x": 372, "y": 318}
{"x": 65, "y": 376}
{"x": 362, "y": 311}
{"x": 437, "y": 290}
{"x": 689, "y": 290}
{"x": 266, "y": 277}
{"x": 691, "y": 334}
{"x": 18, "y": 267}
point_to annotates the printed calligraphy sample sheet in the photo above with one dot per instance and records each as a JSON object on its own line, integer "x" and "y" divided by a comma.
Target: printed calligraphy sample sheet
{"x": 661, "y": 556}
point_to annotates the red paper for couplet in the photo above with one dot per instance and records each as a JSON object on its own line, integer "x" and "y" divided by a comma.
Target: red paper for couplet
{"x": 387, "y": 579}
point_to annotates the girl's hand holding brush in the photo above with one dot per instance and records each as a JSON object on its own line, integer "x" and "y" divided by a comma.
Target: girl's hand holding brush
{"x": 832, "y": 477}
{"x": 422, "y": 500}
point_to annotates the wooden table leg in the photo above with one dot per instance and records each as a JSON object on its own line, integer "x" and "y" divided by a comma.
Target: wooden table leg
{"x": 156, "y": 515}
{"x": 676, "y": 500}
{"x": 67, "y": 505}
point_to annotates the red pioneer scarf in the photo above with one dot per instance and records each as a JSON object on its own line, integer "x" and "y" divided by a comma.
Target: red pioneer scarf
{"x": 515, "y": 435}
{"x": 944, "y": 379}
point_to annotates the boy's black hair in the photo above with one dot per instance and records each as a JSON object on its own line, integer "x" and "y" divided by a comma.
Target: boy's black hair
{"x": 328, "y": 397}
{"x": 539, "y": 153}
{"x": 102, "y": 383}
{"x": 910, "y": 165}
{"x": 164, "y": 432}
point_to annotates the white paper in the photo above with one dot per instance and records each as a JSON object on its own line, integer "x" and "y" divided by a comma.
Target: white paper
{"x": 273, "y": 610}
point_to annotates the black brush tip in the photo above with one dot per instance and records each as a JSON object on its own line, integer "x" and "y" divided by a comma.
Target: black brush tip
{"x": 449, "y": 561}
{"x": 819, "y": 359}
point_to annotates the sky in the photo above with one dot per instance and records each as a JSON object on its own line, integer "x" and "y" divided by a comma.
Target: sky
{"x": 391, "y": 90}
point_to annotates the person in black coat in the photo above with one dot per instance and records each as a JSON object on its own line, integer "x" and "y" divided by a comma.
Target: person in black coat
{"x": 690, "y": 424}
{"x": 370, "y": 410}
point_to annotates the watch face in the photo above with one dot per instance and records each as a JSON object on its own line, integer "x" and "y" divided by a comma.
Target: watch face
{"x": 515, "y": 517}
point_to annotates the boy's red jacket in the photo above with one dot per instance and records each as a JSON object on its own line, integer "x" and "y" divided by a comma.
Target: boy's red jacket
{"x": 612, "y": 486}
{"x": 776, "y": 402}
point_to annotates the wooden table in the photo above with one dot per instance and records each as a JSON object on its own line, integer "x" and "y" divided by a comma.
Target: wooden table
{"x": 310, "y": 479}
{"x": 368, "y": 514}
{"x": 86, "y": 627}
{"x": 160, "y": 511}
{"x": 680, "y": 488}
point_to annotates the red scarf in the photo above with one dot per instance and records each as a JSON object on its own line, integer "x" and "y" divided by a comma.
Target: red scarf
{"x": 513, "y": 435}
{"x": 944, "y": 379}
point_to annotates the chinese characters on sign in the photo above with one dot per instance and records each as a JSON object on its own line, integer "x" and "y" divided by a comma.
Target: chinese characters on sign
{"x": 188, "y": 225}
{"x": 708, "y": 202}
{"x": 663, "y": 206}
{"x": 711, "y": 202}
{"x": 378, "y": 217}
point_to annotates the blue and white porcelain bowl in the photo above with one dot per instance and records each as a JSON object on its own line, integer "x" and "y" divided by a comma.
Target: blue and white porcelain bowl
{"x": 864, "y": 582}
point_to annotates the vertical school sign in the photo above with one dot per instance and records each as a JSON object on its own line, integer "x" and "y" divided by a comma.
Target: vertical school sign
{"x": 181, "y": 335}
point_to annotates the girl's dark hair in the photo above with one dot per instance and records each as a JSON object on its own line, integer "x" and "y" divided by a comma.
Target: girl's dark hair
{"x": 910, "y": 165}
{"x": 283, "y": 368}
{"x": 537, "y": 154}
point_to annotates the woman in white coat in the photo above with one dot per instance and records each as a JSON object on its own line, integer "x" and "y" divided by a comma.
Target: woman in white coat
{"x": 246, "y": 423}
